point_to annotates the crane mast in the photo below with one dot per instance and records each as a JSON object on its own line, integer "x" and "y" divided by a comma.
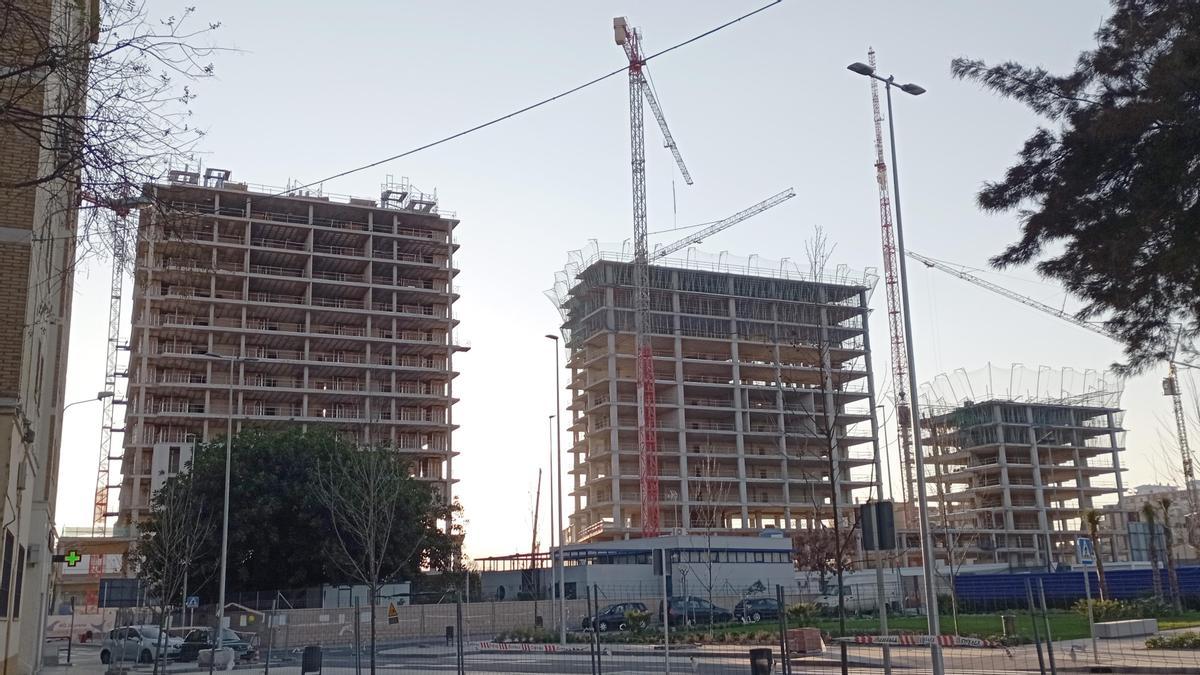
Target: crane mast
{"x": 629, "y": 39}
{"x": 1170, "y": 383}
{"x": 891, "y": 267}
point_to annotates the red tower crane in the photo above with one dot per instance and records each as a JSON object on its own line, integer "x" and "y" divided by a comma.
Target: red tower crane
{"x": 630, "y": 39}
{"x": 891, "y": 266}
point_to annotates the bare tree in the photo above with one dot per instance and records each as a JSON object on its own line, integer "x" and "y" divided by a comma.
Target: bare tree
{"x": 169, "y": 548}
{"x": 818, "y": 251}
{"x": 711, "y": 494}
{"x": 1165, "y": 503}
{"x": 106, "y": 98}
{"x": 384, "y": 521}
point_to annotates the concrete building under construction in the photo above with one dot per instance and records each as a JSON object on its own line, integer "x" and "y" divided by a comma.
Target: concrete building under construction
{"x": 327, "y": 312}
{"x": 1011, "y": 476}
{"x": 763, "y": 388}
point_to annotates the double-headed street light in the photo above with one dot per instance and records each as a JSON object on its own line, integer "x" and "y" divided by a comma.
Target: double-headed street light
{"x": 233, "y": 360}
{"x": 931, "y": 603}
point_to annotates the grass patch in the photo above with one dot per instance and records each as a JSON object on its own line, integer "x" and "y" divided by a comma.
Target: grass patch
{"x": 1064, "y": 625}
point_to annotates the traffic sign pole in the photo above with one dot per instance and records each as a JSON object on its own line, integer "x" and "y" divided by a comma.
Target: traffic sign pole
{"x": 1085, "y": 553}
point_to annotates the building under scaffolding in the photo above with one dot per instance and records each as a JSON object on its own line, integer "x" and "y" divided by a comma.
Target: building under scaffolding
{"x": 763, "y": 393}
{"x": 1013, "y": 474}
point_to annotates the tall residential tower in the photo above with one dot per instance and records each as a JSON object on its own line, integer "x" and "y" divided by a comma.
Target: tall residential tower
{"x": 763, "y": 395}
{"x": 330, "y": 312}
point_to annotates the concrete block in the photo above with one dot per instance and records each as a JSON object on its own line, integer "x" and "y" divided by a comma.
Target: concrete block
{"x": 1123, "y": 629}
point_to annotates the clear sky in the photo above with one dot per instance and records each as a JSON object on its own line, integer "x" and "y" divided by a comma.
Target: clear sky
{"x": 320, "y": 87}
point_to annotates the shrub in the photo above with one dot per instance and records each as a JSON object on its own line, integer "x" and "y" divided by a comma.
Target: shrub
{"x": 1112, "y": 610}
{"x": 637, "y": 621}
{"x": 1186, "y": 640}
{"x": 803, "y": 612}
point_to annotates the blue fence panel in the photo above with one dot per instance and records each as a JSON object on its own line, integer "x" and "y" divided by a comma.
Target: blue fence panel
{"x": 1068, "y": 586}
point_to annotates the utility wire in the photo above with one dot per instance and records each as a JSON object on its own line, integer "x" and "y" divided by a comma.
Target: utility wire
{"x": 527, "y": 108}
{"x": 491, "y": 122}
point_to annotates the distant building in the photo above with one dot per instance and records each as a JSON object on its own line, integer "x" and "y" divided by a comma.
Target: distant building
{"x": 1010, "y": 479}
{"x": 1177, "y": 518}
{"x": 762, "y": 386}
{"x": 726, "y": 568}
{"x": 326, "y": 312}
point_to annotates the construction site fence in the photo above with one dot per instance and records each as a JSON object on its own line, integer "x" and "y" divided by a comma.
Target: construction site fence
{"x": 987, "y": 630}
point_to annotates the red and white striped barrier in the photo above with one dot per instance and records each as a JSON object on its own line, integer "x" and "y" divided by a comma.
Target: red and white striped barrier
{"x": 525, "y": 647}
{"x": 922, "y": 640}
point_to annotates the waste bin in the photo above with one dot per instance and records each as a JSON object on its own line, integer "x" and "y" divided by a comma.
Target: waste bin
{"x": 310, "y": 660}
{"x": 449, "y": 634}
{"x": 762, "y": 662}
{"x": 1008, "y": 625}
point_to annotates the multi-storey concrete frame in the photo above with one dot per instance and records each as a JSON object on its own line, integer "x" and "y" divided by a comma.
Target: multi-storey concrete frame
{"x": 341, "y": 315}
{"x": 757, "y": 378}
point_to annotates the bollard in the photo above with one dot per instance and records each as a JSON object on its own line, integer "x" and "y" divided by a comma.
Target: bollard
{"x": 310, "y": 660}
{"x": 449, "y": 635}
{"x": 1008, "y": 625}
{"x": 761, "y": 661}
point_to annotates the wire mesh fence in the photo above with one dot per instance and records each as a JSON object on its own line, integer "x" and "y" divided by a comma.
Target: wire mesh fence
{"x": 1016, "y": 622}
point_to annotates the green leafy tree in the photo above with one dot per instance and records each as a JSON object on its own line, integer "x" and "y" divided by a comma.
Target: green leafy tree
{"x": 1109, "y": 191}
{"x": 281, "y": 535}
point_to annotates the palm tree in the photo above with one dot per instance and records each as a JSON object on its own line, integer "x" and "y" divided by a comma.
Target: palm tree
{"x": 1092, "y": 518}
{"x": 1151, "y": 517}
{"x": 1172, "y": 574}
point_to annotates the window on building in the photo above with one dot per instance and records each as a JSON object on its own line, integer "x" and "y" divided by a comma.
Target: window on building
{"x": 19, "y": 583}
{"x": 6, "y": 573}
{"x": 173, "y": 459}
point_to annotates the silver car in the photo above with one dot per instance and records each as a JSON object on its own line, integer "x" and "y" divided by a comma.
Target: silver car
{"x": 137, "y": 643}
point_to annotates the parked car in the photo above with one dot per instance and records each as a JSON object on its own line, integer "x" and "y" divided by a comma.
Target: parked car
{"x": 613, "y": 616}
{"x": 753, "y": 610}
{"x": 138, "y": 643}
{"x": 694, "y": 611}
{"x": 201, "y": 638}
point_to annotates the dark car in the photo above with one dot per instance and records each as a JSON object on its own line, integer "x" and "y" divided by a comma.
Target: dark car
{"x": 201, "y": 638}
{"x": 694, "y": 611}
{"x": 613, "y": 616}
{"x": 753, "y": 610}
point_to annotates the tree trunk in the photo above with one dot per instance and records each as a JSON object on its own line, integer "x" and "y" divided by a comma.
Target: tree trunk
{"x": 373, "y": 601}
{"x": 1155, "y": 579}
{"x": 1100, "y": 567}
{"x": 1172, "y": 574}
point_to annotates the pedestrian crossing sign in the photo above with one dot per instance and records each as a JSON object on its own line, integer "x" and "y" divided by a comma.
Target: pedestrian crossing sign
{"x": 393, "y": 615}
{"x": 1085, "y": 551}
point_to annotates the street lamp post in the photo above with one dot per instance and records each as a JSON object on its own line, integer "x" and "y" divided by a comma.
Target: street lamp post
{"x": 562, "y": 598}
{"x": 931, "y": 603}
{"x": 233, "y": 360}
{"x": 553, "y": 567}
{"x": 100, "y": 396}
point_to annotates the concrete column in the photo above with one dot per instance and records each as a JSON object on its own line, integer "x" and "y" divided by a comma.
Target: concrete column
{"x": 1116, "y": 463}
{"x": 739, "y": 406}
{"x": 1039, "y": 494}
{"x": 614, "y": 437}
{"x": 685, "y": 506}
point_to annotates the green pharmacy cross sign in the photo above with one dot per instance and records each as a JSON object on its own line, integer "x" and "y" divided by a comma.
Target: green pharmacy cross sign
{"x": 72, "y": 558}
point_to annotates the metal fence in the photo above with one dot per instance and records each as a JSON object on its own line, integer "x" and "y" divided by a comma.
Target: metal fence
{"x": 986, "y": 626}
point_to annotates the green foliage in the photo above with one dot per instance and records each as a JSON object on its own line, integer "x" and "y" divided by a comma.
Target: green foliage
{"x": 1108, "y": 189}
{"x": 280, "y": 534}
{"x": 1186, "y": 640}
{"x": 1113, "y": 610}
{"x": 637, "y": 620}
{"x": 803, "y": 612}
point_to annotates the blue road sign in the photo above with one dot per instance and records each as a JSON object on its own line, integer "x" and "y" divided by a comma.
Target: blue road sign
{"x": 192, "y": 602}
{"x": 1085, "y": 552}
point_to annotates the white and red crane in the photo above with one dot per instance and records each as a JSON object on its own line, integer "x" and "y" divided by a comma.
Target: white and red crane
{"x": 891, "y": 272}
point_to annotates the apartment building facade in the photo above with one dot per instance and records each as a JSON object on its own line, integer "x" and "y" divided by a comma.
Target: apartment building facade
{"x": 38, "y": 226}
{"x": 763, "y": 391}
{"x": 1012, "y": 479}
{"x": 307, "y": 310}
